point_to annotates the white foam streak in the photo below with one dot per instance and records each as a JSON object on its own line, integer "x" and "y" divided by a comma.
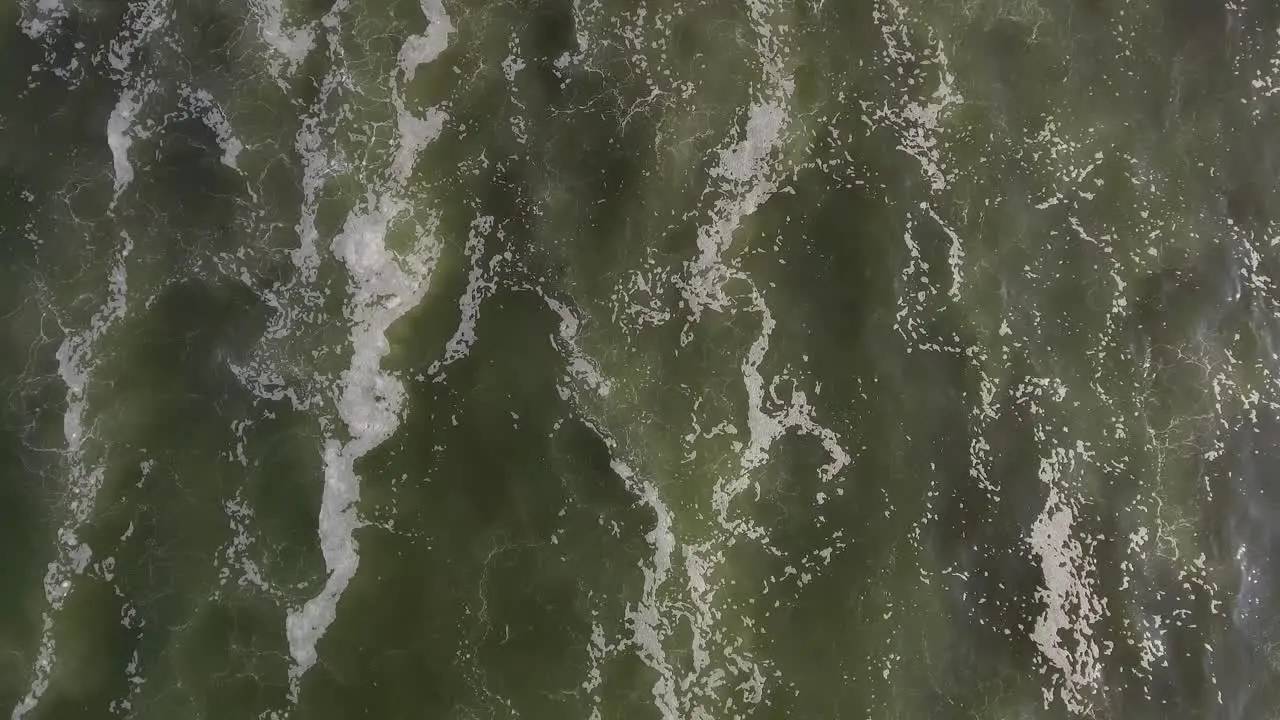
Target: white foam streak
{"x": 144, "y": 19}
{"x": 235, "y": 552}
{"x": 955, "y": 256}
{"x": 317, "y": 167}
{"x": 415, "y": 134}
{"x": 764, "y": 429}
{"x": 203, "y": 104}
{"x": 748, "y": 160}
{"x": 1072, "y": 609}
{"x": 292, "y": 44}
{"x": 746, "y": 168}
{"x": 119, "y": 139}
{"x": 422, "y": 49}
{"x": 308, "y": 143}
{"x": 648, "y": 628}
{"x": 338, "y": 523}
{"x": 748, "y": 179}
{"x": 480, "y": 285}
{"x": 581, "y": 368}
{"x": 744, "y": 165}
{"x": 83, "y": 478}
{"x": 382, "y": 288}
{"x": 916, "y": 123}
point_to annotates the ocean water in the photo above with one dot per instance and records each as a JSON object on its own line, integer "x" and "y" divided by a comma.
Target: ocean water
{"x": 639, "y": 359}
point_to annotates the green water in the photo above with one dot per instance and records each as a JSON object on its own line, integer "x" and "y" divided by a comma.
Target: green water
{"x": 552, "y": 359}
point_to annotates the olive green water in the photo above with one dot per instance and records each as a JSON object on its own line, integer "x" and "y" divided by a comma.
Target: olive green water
{"x": 675, "y": 360}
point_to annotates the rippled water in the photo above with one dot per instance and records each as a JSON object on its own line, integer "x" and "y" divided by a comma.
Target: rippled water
{"x": 639, "y": 359}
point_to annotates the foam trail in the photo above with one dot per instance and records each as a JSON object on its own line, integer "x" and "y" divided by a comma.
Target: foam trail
{"x": 83, "y": 477}
{"x": 234, "y": 553}
{"x": 648, "y": 627}
{"x": 743, "y": 165}
{"x": 647, "y": 624}
{"x": 1072, "y": 609}
{"x": 361, "y": 246}
{"x": 75, "y": 355}
{"x": 580, "y": 366}
{"x": 382, "y": 289}
{"x": 746, "y": 176}
{"x": 119, "y": 140}
{"x": 370, "y": 405}
{"x": 206, "y": 107}
{"x": 480, "y": 285}
{"x": 317, "y": 165}
{"x": 765, "y": 429}
{"x": 748, "y": 180}
{"x": 916, "y": 125}
{"x": 422, "y": 49}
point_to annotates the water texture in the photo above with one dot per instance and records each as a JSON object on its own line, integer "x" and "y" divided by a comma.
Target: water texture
{"x": 639, "y": 359}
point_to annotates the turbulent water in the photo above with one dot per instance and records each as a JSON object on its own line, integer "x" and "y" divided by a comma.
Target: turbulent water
{"x": 639, "y": 359}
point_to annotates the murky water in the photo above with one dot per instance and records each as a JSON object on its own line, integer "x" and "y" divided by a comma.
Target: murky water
{"x": 647, "y": 359}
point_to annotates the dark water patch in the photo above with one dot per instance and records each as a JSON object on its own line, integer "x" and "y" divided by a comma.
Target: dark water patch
{"x": 177, "y": 359}
{"x": 836, "y": 241}
{"x": 1245, "y": 511}
{"x": 52, "y": 131}
{"x": 1020, "y": 74}
{"x": 209, "y": 47}
{"x": 171, "y": 394}
{"x": 979, "y": 544}
{"x": 1197, "y": 30}
{"x": 548, "y": 34}
{"x": 604, "y": 213}
{"x": 533, "y": 645}
{"x": 231, "y": 661}
{"x": 184, "y": 187}
{"x": 283, "y": 486}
